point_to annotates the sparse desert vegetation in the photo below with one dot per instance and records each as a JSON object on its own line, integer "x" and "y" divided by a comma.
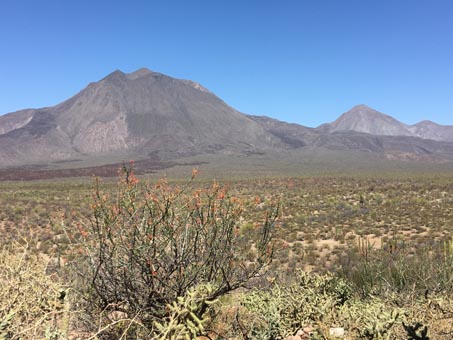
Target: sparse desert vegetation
{"x": 144, "y": 259}
{"x": 226, "y": 170}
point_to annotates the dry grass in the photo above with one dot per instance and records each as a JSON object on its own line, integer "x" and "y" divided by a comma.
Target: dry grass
{"x": 323, "y": 219}
{"x": 33, "y": 304}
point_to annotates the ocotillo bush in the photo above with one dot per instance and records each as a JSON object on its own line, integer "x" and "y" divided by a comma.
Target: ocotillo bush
{"x": 147, "y": 245}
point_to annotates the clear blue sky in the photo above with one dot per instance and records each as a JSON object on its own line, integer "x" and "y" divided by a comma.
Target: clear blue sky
{"x": 303, "y": 61}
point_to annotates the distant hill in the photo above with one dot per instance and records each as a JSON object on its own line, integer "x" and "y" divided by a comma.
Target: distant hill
{"x": 362, "y": 118}
{"x": 399, "y": 147}
{"x": 149, "y": 116}
{"x": 430, "y": 130}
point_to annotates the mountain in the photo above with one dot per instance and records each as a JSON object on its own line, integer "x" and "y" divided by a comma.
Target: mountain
{"x": 430, "y": 130}
{"x": 362, "y": 118}
{"x": 156, "y": 119}
{"x": 386, "y": 146}
{"x": 144, "y": 113}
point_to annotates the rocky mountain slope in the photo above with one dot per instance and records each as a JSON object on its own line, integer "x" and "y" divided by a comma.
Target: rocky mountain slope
{"x": 146, "y": 115}
{"x": 362, "y": 118}
{"x": 430, "y": 130}
{"x": 15, "y": 120}
{"x": 401, "y": 147}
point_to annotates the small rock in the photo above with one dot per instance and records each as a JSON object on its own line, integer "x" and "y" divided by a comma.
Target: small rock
{"x": 304, "y": 333}
{"x": 337, "y": 332}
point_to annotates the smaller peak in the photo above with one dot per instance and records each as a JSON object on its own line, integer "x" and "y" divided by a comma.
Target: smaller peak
{"x": 141, "y": 72}
{"x": 426, "y": 122}
{"x": 361, "y": 107}
{"x": 363, "y": 110}
{"x": 117, "y": 74}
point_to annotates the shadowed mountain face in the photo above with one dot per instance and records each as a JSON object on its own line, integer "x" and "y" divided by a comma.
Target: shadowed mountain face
{"x": 147, "y": 115}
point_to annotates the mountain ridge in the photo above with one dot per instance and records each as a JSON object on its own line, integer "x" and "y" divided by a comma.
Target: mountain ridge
{"x": 149, "y": 115}
{"x": 145, "y": 112}
{"x": 362, "y": 118}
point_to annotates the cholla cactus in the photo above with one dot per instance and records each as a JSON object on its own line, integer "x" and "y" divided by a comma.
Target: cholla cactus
{"x": 4, "y": 322}
{"x": 283, "y": 310}
{"x": 186, "y": 320}
{"x": 372, "y": 319}
{"x": 318, "y": 302}
{"x": 378, "y": 326}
